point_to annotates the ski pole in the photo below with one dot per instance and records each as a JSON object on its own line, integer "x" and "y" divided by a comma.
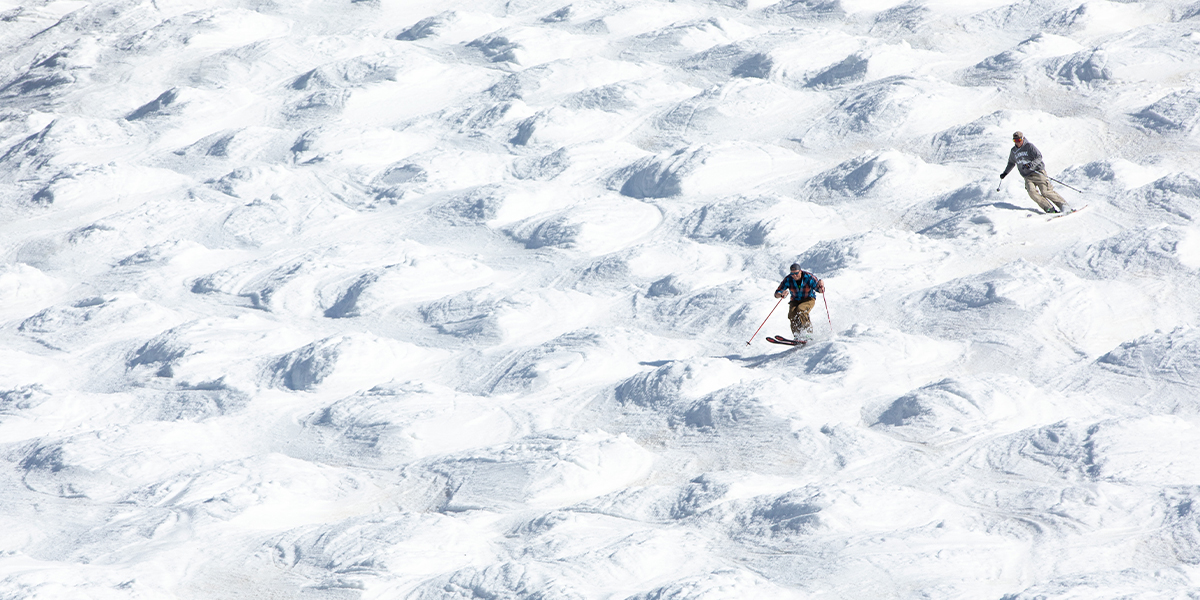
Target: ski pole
{"x": 764, "y": 322}
{"x": 1001, "y": 183}
{"x": 1059, "y": 182}
{"x": 827, "y": 313}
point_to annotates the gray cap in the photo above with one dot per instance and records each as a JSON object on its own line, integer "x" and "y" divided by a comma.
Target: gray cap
{"x": 1017, "y": 135}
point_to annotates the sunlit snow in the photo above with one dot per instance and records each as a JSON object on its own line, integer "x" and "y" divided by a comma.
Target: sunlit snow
{"x": 448, "y": 299}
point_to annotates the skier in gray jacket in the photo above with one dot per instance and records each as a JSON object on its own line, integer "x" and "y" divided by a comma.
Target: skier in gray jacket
{"x": 1028, "y": 160}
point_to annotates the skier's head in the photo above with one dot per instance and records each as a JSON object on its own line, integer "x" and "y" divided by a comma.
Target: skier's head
{"x": 795, "y": 268}
{"x": 1018, "y": 138}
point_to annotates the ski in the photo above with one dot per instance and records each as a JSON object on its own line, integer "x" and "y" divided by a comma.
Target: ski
{"x": 1060, "y": 215}
{"x": 778, "y": 339}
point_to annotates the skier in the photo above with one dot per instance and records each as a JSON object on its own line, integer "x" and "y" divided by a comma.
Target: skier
{"x": 1028, "y": 160}
{"x": 804, "y": 287}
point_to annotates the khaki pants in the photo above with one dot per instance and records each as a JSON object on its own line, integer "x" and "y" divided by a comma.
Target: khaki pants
{"x": 798, "y": 317}
{"x": 1042, "y": 191}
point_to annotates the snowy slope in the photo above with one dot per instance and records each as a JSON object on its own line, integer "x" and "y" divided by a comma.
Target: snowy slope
{"x": 446, "y": 299}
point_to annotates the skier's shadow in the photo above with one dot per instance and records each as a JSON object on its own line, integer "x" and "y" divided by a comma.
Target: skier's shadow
{"x": 656, "y": 363}
{"x": 750, "y": 361}
{"x": 762, "y": 359}
{"x": 1009, "y": 206}
{"x": 947, "y": 225}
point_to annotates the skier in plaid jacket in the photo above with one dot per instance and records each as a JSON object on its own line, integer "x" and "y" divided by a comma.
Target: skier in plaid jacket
{"x": 803, "y": 286}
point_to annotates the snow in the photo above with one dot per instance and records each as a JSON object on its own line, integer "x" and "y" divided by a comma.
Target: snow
{"x": 444, "y": 299}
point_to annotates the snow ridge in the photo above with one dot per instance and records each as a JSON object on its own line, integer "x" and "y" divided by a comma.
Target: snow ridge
{"x": 417, "y": 299}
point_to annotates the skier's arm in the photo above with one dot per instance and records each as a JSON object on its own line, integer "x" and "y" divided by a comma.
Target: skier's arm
{"x": 1035, "y": 159}
{"x": 816, "y": 284}
{"x": 1012, "y": 162}
{"x": 779, "y": 291}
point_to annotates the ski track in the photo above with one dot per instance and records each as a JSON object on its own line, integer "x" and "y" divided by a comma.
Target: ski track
{"x": 429, "y": 300}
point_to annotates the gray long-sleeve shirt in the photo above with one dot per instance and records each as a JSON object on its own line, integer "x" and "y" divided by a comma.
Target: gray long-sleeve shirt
{"x": 1027, "y": 158}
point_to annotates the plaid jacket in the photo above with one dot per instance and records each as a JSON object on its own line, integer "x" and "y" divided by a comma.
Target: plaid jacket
{"x": 803, "y": 289}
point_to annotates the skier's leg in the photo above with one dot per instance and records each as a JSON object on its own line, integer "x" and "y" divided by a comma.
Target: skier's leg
{"x": 1047, "y": 190}
{"x": 801, "y": 324}
{"x": 1031, "y": 188}
{"x": 794, "y": 319}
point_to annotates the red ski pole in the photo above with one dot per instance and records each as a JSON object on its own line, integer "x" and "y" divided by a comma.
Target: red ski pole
{"x": 827, "y": 313}
{"x": 765, "y": 322}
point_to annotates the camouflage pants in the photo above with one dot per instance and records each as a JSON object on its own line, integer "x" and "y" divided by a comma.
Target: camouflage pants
{"x": 798, "y": 317}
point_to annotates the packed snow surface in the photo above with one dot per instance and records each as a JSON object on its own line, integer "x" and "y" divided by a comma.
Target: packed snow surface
{"x": 457, "y": 299}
